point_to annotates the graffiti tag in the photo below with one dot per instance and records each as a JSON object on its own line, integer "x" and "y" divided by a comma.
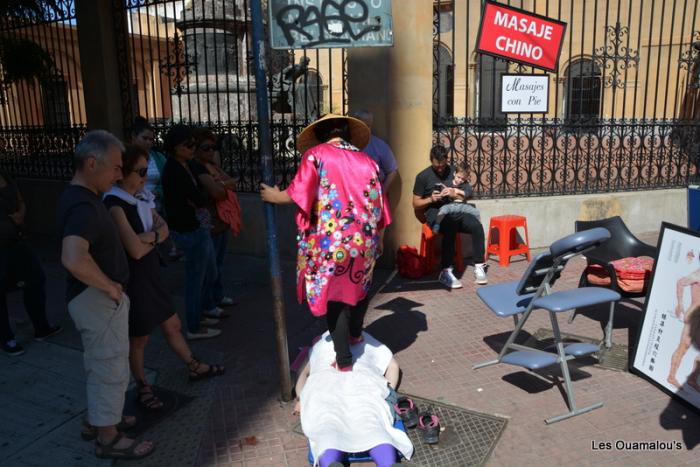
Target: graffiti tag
{"x": 335, "y": 21}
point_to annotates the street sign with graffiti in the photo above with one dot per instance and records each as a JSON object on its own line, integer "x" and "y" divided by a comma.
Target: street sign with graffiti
{"x": 307, "y": 24}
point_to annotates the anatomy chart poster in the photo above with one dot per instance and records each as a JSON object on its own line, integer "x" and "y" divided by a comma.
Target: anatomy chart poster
{"x": 668, "y": 348}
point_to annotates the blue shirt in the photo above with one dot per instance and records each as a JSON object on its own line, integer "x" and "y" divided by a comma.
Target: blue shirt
{"x": 381, "y": 153}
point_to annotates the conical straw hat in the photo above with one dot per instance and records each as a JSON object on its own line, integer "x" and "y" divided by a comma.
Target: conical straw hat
{"x": 359, "y": 133}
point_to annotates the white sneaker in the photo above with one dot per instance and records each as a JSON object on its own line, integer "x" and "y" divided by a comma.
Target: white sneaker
{"x": 449, "y": 280}
{"x": 228, "y": 301}
{"x": 480, "y": 274}
{"x": 215, "y": 313}
{"x": 208, "y": 321}
{"x": 204, "y": 333}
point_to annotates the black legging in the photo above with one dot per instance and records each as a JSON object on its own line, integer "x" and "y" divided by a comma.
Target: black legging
{"x": 344, "y": 321}
{"x": 19, "y": 263}
{"x": 465, "y": 223}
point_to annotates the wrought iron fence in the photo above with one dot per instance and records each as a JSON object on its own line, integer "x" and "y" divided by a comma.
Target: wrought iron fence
{"x": 41, "y": 119}
{"x": 191, "y": 61}
{"x": 548, "y": 157}
{"x": 623, "y": 111}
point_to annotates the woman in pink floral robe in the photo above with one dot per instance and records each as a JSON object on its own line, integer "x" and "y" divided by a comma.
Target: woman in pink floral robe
{"x": 342, "y": 211}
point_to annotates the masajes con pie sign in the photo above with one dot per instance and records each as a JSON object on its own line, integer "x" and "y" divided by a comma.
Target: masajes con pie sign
{"x": 520, "y": 36}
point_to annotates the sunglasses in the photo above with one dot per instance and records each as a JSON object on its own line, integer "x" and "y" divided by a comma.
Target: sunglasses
{"x": 142, "y": 172}
{"x": 207, "y": 147}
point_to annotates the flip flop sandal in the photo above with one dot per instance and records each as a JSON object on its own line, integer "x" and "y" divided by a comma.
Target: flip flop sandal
{"x": 407, "y": 410}
{"x": 108, "y": 451}
{"x": 89, "y": 432}
{"x": 214, "y": 370}
{"x": 429, "y": 425}
{"x": 148, "y": 400}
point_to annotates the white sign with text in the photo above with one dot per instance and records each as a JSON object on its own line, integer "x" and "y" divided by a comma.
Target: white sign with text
{"x": 524, "y": 93}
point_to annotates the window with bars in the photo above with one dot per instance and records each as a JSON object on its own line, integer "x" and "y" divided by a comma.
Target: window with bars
{"x": 491, "y": 71}
{"x": 56, "y": 110}
{"x": 583, "y": 89}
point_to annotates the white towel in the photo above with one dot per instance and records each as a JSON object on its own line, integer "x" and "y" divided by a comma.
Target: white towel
{"x": 347, "y": 410}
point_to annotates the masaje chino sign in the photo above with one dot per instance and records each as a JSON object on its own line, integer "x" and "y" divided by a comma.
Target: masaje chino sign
{"x": 520, "y": 36}
{"x": 304, "y": 24}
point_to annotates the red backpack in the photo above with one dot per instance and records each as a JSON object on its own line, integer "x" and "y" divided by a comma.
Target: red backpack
{"x": 409, "y": 263}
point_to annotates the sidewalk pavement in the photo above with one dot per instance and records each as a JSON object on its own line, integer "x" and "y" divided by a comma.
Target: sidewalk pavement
{"x": 239, "y": 419}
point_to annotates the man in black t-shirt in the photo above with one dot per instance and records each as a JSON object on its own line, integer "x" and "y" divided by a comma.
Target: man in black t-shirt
{"x": 433, "y": 189}
{"x": 98, "y": 270}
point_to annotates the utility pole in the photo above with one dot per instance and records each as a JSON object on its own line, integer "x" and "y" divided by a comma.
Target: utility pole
{"x": 270, "y": 218}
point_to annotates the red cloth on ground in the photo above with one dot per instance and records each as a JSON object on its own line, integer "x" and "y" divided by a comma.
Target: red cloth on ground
{"x": 632, "y": 273}
{"x": 229, "y": 211}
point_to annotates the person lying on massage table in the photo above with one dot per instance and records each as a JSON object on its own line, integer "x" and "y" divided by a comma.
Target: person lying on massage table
{"x": 347, "y": 412}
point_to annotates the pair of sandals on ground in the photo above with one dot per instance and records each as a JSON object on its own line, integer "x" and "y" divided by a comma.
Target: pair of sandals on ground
{"x": 149, "y": 401}
{"x": 427, "y": 423}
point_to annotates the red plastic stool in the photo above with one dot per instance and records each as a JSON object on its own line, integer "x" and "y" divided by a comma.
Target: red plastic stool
{"x": 506, "y": 242}
{"x": 427, "y": 250}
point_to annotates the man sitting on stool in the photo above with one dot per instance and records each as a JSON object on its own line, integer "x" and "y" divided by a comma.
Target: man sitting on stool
{"x": 433, "y": 189}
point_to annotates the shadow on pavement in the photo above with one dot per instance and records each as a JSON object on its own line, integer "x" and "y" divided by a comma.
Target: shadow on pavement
{"x": 400, "y": 329}
{"x": 679, "y": 416}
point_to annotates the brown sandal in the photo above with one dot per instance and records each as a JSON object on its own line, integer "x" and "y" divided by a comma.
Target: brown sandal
{"x": 147, "y": 398}
{"x": 108, "y": 451}
{"x": 214, "y": 370}
{"x": 89, "y": 432}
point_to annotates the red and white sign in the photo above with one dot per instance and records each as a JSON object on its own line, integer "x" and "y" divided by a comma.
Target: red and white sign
{"x": 519, "y": 36}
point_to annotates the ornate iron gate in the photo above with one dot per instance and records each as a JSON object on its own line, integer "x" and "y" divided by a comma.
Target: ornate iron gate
{"x": 620, "y": 113}
{"x": 190, "y": 61}
{"x": 41, "y": 118}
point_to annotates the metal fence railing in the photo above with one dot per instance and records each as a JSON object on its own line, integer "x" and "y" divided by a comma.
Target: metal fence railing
{"x": 624, "y": 105}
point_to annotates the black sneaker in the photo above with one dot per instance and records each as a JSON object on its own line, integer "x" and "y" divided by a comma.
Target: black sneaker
{"x": 407, "y": 411}
{"x": 12, "y": 348}
{"x": 429, "y": 426}
{"x": 53, "y": 330}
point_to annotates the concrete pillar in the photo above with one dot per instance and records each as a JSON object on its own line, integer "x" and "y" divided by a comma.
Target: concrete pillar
{"x": 99, "y": 65}
{"x": 396, "y": 84}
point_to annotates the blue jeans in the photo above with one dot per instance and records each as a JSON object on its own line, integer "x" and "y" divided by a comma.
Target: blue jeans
{"x": 200, "y": 271}
{"x": 220, "y": 244}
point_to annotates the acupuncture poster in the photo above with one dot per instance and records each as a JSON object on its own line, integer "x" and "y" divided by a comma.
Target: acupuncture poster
{"x": 668, "y": 349}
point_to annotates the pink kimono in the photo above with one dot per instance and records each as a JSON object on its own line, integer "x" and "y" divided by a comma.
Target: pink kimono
{"x": 342, "y": 211}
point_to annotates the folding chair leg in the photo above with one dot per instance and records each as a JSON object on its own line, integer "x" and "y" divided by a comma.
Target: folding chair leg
{"x": 571, "y": 401}
{"x": 573, "y": 413}
{"x": 519, "y": 323}
{"x": 609, "y": 326}
{"x": 572, "y": 316}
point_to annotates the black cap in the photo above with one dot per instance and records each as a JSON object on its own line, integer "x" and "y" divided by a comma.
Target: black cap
{"x": 177, "y": 134}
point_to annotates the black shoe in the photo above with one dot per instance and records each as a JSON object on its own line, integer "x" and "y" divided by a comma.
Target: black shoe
{"x": 407, "y": 411}
{"x": 51, "y": 332}
{"x": 12, "y": 348}
{"x": 429, "y": 426}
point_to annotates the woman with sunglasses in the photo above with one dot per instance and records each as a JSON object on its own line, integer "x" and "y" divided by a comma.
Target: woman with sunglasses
{"x": 141, "y": 229}
{"x": 216, "y": 183}
{"x": 143, "y": 136}
{"x": 190, "y": 223}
